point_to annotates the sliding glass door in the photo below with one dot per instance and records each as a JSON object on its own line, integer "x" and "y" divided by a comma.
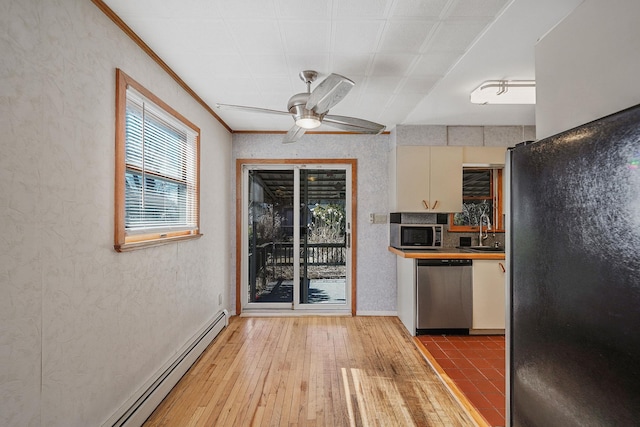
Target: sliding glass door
{"x": 270, "y": 237}
{"x": 297, "y": 232}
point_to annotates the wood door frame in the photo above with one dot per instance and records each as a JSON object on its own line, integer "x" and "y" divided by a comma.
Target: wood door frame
{"x": 354, "y": 210}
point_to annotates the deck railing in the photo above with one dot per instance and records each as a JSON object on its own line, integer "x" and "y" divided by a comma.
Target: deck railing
{"x": 267, "y": 256}
{"x": 316, "y": 253}
{"x": 281, "y": 254}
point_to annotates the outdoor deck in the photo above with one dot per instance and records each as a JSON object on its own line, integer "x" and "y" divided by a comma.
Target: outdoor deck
{"x": 321, "y": 291}
{"x": 323, "y": 264}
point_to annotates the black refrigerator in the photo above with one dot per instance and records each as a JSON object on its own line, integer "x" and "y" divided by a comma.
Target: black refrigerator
{"x": 573, "y": 251}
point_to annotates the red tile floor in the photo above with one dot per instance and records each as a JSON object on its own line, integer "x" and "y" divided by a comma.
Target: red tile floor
{"x": 476, "y": 365}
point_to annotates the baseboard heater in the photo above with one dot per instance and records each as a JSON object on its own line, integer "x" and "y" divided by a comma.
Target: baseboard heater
{"x": 136, "y": 413}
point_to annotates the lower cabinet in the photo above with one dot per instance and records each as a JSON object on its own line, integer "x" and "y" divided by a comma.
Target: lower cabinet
{"x": 406, "y": 292}
{"x": 488, "y": 296}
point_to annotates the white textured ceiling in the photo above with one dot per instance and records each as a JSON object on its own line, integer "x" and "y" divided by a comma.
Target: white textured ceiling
{"x": 413, "y": 61}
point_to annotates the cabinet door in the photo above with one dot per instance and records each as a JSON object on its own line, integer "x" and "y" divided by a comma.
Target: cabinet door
{"x": 488, "y": 294}
{"x": 446, "y": 179}
{"x": 406, "y": 293}
{"x": 412, "y": 178}
{"x": 484, "y": 156}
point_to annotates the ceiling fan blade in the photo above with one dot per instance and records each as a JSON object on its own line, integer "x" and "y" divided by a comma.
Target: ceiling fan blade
{"x": 329, "y": 93}
{"x": 251, "y": 109}
{"x": 352, "y": 124}
{"x": 294, "y": 134}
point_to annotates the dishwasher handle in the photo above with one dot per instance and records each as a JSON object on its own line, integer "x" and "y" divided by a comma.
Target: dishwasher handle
{"x": 444, "y": 262}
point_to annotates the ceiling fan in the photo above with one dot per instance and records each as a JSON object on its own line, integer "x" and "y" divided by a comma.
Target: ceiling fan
{"x": 309, "y": 109}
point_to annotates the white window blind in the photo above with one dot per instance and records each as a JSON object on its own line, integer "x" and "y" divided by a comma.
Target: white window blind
{"x": 161, "y": 169}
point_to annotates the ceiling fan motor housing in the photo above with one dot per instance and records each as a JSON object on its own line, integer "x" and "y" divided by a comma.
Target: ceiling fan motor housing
{"x": 297, "y": 107}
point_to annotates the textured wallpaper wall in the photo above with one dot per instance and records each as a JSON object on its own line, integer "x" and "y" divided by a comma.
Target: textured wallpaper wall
{"x": 376, "y": 280}
{"x": 82, "y": 327}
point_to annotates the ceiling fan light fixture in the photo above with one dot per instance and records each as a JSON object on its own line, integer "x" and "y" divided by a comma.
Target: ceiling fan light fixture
{"x": 308, "y": 122}
{"x": 505, "y": 92}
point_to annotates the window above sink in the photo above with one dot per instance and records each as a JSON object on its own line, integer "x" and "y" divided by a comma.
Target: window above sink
{"x": 481, "y": 194}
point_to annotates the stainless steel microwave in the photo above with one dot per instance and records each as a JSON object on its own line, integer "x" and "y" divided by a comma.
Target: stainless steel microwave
{"x": 415, "y": 236}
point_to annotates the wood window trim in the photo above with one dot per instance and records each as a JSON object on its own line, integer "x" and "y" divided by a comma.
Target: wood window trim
{"x": 122, "y": 242}
{"x": 354, "y": 215}
{"x": 497, "y": 216}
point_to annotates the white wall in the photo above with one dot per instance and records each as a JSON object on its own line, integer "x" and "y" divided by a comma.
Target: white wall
{"x": 81, "y": 326}
{"x": 376, "y": 283}
{"x": 588, "y": 66}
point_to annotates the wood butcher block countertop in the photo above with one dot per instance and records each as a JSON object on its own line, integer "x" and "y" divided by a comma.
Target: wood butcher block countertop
{"x": 448, "y": 253}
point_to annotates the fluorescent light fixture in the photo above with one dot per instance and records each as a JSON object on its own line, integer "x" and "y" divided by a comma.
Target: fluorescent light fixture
{"x": 505, "y": 92}
{"x": 308, "y": 122}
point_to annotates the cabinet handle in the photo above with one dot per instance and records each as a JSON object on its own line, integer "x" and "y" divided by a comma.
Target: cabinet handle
{"x": 425, "y": 204}
{"x": 434, "y": 205}
{"x": 502, "y": 267}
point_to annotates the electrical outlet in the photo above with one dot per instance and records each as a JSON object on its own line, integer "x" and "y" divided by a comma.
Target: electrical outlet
{"x": 372, "y": 218}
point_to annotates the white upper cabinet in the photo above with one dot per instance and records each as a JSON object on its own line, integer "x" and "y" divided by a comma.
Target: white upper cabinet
{"x": 484, "y": 155}
{"x": 426, "y": 179}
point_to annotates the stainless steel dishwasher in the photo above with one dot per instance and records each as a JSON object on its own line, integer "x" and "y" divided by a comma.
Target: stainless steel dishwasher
{"x": 444, "y": 295}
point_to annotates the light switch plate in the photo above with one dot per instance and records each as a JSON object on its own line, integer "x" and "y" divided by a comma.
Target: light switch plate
{"x": 379, "y": 219}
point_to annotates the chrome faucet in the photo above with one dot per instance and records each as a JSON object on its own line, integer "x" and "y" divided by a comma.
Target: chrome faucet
{"x": 481, "y": 237}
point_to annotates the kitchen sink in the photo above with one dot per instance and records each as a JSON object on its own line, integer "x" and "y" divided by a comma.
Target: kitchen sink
{"x": 482, "y": 248}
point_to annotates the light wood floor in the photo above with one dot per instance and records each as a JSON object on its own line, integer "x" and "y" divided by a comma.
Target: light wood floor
{"x": 311, "y": 371}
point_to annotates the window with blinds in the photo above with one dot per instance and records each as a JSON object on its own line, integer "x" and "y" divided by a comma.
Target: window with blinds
{"x": 157, "y": 170}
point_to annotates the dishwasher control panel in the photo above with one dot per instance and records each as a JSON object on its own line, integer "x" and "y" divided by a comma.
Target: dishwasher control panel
{"x": 443, "y": 262}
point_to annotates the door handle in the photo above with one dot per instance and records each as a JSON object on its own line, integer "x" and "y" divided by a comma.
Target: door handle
{"x": 425, "y": 204}
{"x": 502, "y": 267}
{"x": 434, "y": 205}
{"x": 348, "y": 240}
